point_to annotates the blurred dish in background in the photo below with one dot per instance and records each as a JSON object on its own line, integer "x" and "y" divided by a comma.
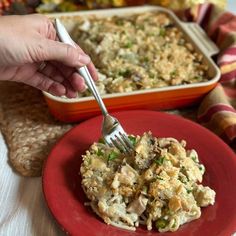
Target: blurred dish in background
{"x": 167, "y": 97}
{"x": 152, "y": 52}
{"x": 183, "y": 4}
{"x": 46, "y": 6}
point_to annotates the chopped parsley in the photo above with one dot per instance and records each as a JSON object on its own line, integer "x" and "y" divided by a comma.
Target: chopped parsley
{"x": 129, "y": 44}
{"x": 145, "y": 189}
{"x": 132, "y": 139}
{"x": 112, "y": 156}
{"x": 119, "y": 22}
{"x": 125, "y": 73}
{"x": 162, "y": 32}
{"x": 145, "y": 59}
{"x": 139, "y": 27}
{"x": 201, "y": 168}
{"x": 183, "y": 178}
{"x": 198, "y": 78}
{"x": 189, "y": 190}
{"x": 174, "y": 225}
{"x": 151, "y": 75}
{"x": 101, "y": 140}
{"x": 173, "y": 73}
{"x": 160, "y": 160}
{"x": 159, "y": 178}
{"x": 194, "y": 158}
{"x": 99, "y": 152}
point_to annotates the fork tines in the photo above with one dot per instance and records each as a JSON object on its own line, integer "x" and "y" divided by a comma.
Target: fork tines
{"x": 120, "y": 140}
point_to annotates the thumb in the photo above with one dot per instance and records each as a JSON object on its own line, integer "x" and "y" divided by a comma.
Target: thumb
{"x": 64, "y": 53}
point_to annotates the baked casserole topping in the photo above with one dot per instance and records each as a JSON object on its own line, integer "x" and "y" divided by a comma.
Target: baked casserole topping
{"x": 159, "y": 186}
{"x": 140, "y": 51}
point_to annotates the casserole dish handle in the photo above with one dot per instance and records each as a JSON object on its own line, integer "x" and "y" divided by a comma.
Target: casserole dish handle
{"x": 203, "y": 42}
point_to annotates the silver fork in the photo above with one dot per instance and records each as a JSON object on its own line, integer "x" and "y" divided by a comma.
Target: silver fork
{"x": 112, "y": 131}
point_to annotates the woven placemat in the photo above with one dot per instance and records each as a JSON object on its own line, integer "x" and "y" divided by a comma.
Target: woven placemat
{"x": 29, "y": 129}
{"x": 27, "y": 126}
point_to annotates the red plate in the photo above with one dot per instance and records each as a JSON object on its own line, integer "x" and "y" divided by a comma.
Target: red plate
{"x": 65, "y": 197}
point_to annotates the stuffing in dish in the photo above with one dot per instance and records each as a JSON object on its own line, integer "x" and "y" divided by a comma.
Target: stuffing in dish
{"x": 159, "y": 186}
{"x": 137, "y": 52}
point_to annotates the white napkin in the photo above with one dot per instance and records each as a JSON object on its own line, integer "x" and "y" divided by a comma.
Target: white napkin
{"x": 22, "y": 207}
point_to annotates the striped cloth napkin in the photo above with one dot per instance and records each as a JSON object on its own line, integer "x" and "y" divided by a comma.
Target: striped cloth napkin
{"x": 218, "y": 109}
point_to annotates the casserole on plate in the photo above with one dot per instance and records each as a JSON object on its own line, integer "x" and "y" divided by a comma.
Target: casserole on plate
{"x": 167, "y": 66}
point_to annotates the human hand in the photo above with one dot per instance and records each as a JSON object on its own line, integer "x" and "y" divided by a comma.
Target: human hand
{"x": 28, "y": 41}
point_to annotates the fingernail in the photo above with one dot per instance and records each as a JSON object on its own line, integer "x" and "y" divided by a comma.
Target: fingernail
{"x": 84, "y": 59}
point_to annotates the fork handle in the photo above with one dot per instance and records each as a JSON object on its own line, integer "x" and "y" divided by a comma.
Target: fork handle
{"x": 83, "y": 71}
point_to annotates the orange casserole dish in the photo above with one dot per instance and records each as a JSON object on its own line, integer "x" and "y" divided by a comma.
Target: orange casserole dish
{"x": 168, "y": 97}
